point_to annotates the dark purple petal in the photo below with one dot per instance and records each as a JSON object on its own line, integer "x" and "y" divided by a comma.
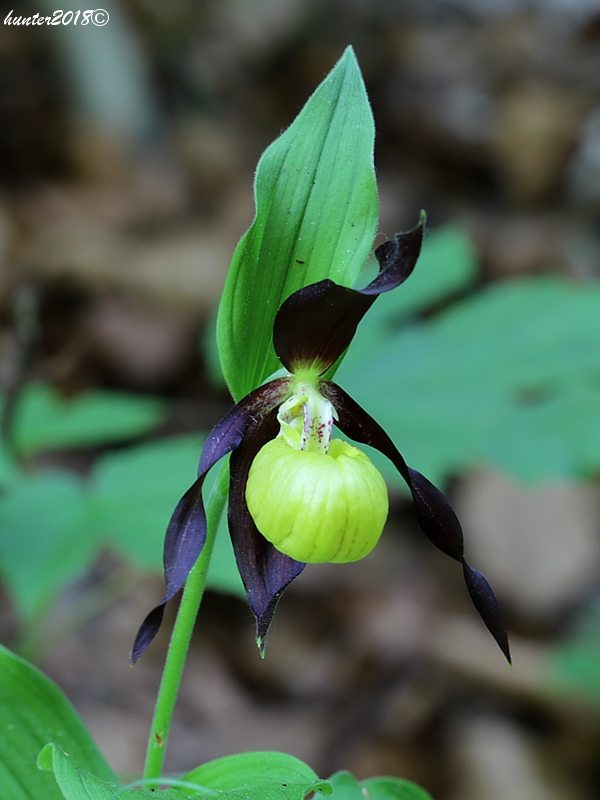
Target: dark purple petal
{"x": 265, "y": 571}
{"x": 146, "y": 633}
{"x": 435, "y": 515}
{"x": 186, "y": 533}
{"x": 316, "y": 324}
{"x": 485, "y": 601}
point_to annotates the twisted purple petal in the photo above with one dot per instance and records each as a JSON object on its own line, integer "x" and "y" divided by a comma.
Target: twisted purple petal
{"x": 435, "y": 515}
{"x": 316, "y": 324}
{"x": 186, "y": 533}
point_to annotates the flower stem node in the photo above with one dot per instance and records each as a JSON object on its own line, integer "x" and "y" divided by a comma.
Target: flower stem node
{"x": 317, "y": 507}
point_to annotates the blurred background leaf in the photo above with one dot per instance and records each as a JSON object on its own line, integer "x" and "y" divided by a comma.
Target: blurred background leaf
{"x": 132, "y": 494}
{"x": 573, "y": 669}
{"x": 508, "y": 377}
{"x": 107, "y": 76}
{"x": 44, "y": 539}
{"x": 54, "y": 525}
{"x": 346, "y": 787}
{"x": 45, "y": 421}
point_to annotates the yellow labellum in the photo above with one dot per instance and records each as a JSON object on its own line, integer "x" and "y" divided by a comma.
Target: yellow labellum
{"x": 317, "y": 507}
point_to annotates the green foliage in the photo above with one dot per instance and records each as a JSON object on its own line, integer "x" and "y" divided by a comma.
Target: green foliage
{"x": 447, "y": 265}
{"x": 45, "y": 421}
{"x": 133, "y": 491}
{"x": 316, "y": 217}
{"x": 248, "y": 776}
{"x": 33, "y": 712}
{"x": 76, "y": 783}
{"x": 8, "y": 468}
{"x": 54, "y": 524}
{"x": 574, "y": 663}
{"x": 508, "y": 376}
{"x": 346, "y": 787}
{"x": 40, "y": 726}
{"x": 48, "y": 530}
{"x": 44, "y": 540}
{"x": 256, "y": 776}
{"x": 223, "y": 575}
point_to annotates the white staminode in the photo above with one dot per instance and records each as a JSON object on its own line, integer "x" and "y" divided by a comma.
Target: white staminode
{"x": 306, "y": 420}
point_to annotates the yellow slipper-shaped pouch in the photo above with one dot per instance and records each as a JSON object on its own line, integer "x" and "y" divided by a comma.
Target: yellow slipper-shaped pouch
{"x": 317, "y": 507}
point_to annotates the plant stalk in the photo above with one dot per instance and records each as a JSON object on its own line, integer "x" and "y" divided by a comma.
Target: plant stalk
{"x": 182, "y": 632}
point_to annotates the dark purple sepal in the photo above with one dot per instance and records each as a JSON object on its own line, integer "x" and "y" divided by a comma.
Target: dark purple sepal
{"x": 485, "y": 601}
{"x": 315, "y": 325}
{"x": 435, "y": 515}
{"x": 264, "y": 570}
{"x": 186, "y": 532}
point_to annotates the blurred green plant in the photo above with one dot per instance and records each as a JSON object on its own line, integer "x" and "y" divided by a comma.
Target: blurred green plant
{"x": 54, "y": 523}
{"x": 105, "y": 71}
{"x": 43, "y": 420}
{"x": 37, "y": 418}
{"x": 34, "y": 712}
{"x": 508, "y": 376}
{"x": 346, "y": 787}
{"x": 573, "y": 668}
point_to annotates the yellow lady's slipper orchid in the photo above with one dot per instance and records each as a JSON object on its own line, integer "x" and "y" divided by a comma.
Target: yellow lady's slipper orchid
{"x": 297, "y": 495}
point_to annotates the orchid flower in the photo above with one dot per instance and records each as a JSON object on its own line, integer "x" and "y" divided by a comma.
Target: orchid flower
{"x": 297, "y": 495}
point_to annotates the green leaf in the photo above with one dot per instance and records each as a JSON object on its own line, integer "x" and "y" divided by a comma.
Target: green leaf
{"x": 393, "y": 789}
{"x": 257, "y": 776}
{"x": 555, "y": 436}
{"x": 43, "y": 420}
{"x": 78, "y": 784}
{"x": 34, "y": 712}
{"x": 43, "y": 538}
{"x": 447, "y": 264}
{"x": 316, "y": 217}
{"x": 346, "y": 787}
{"x": 573, "y": 663}
{"x": 8, "y": 468}
{"x": 133, "y": 493}
{"x": 52, "y": 524}
{"x": 507, "y": 377}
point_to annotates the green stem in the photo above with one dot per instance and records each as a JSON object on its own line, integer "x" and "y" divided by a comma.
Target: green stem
{"x": 182, "y": 632}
